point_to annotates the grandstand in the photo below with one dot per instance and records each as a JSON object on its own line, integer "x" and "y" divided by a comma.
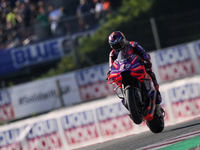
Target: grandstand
{"x": 26, "y": 22}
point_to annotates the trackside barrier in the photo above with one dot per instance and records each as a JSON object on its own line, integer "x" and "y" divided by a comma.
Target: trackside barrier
{"x": 89, "y": 84}
{"x": 97, "y": 121}
{"x": 176, "y": 62}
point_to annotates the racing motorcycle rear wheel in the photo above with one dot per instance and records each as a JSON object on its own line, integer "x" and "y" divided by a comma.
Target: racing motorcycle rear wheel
{"x": 133, "y": 106}
{"x": 157, "y": 124}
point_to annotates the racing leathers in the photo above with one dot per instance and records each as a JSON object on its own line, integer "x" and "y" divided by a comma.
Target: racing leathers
{"x": 135, "y": 48}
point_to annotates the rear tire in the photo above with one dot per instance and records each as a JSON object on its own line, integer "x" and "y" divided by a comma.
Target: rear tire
{"x": 132, "y": 106}
{"x": 157, "y": 124}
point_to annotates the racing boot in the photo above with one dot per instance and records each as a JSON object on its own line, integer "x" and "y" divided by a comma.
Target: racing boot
{"x": 159, "y": 109}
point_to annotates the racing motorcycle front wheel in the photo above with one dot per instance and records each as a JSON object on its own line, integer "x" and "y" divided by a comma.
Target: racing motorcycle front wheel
{"x": 132, "y": 105}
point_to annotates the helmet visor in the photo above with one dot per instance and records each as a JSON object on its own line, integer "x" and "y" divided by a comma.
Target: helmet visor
{"x": 118, "y": 45}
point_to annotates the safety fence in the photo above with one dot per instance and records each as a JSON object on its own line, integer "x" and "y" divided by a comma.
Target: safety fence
{"x": 38, "y": 31}
{"x": 97, "y": 121}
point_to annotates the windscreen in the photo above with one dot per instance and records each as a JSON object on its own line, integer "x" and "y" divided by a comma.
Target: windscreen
{"x": 125, "y": 55}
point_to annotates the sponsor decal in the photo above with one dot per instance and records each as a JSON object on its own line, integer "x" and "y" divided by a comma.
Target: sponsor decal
{"x": 79, "y": 127}
{"x": 115, "y": 65}
{"x": 44, "y": 135}
{"x": 93, "y": 84}
{"x": 137, "y": 68}
{"x": 36, "y": 53}
{"x": 133, "y": 61}
{"x": 6, "y": 107}
{"x": 185, "y": 100}
{"x": 8, "y": 140}
{"x": 113, "y": 119}
{"x": 122, "y": 67}
{"x": 174, "y": 63}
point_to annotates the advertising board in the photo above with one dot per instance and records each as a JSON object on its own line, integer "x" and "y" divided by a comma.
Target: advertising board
{"x": 8, "y": 140}
{"x": 113, "y": 119}
{"x": 174, "y": 63}
{"x": 69, "y": 88}
{"x": 92, "y": 82}
{"x": 185, "y": 100}
{"x": 44, "y": 135}
{"x": 79, "y": 127}
{"x": 6, "y": 106}
{"x": 35, "y": 97}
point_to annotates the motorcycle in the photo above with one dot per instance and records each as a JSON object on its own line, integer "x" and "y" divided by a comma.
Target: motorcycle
{"x": 139, "y": 94}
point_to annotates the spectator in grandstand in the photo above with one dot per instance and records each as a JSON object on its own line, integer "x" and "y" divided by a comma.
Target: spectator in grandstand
{"x": 106, "y": 5}
{"x": 17, "y": 7}
{"x": 54, "y": 15}
{"x": 43, "y": 29}
{"x": 24, "y": 15}
{"x": 63, "y": 13}
{"x": 63, "y": 25}
{"x": 3, "y": 19}
{"x": 11, "y": 18}
{"x": 98, "y": 8}
{"x": 43, "y": 17}
{"x": 82, "y": 8}
{"x": 42, "y": 3}
{"x": 34, "y": 13}
{"x": 4, "y": 6}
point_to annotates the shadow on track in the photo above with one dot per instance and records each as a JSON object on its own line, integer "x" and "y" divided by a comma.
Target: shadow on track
{"x": 192, "y": 125}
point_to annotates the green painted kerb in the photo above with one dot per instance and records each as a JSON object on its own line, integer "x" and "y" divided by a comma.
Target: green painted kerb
{"x": 184, "y": 145}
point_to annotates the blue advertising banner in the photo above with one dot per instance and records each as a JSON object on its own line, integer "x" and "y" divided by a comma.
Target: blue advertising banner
{"x": 6, "y": 64}
{"x": 11, "y": 60}
{"x": 32, "y": 54}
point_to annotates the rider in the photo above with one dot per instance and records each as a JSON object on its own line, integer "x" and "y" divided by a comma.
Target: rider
{"x": 118, "y": 42}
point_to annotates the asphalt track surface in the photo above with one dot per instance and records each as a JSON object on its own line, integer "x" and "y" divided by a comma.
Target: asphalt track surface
{"x": 138, "y": 141}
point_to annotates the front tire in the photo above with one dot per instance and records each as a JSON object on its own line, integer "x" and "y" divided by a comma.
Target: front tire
{"x": 132, "y": 106}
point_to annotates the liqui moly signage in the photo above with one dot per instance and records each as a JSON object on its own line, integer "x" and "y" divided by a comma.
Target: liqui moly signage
{"x": 174, "y": 63}
{"x": 113, "y": 119}
{"x": 8, "y": 140}
{"x": 6, "y": 107}
{"x": 44, "y": 135}
{"x": 185, "y": 100}
{"x": 79, "y": 127}
{"x": 92, "y": 83}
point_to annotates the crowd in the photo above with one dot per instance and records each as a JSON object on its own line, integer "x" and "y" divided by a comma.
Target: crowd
{"x": 23, "y": 21}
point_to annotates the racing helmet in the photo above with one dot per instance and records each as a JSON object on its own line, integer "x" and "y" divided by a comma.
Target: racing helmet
{"x": 117, "y": 40}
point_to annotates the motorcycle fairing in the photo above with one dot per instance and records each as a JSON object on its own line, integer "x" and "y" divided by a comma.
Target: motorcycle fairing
{"x": 136, "y": 70}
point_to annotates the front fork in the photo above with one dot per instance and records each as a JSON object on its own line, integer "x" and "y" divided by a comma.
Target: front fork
{"x": 137, "y": 93}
